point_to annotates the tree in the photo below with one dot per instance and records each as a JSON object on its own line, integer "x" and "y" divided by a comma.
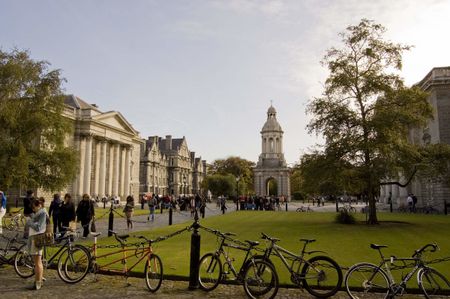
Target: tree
{"x": 220, "y": 184}
{"x": 365, "y": 111}
{"x": 33, "y": 128}
{"x": 239, "y": 168}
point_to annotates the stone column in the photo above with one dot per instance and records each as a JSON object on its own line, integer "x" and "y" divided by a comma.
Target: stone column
{"x": 115, "y": 186}
{"x": 395, "y": 194}
{"x": 122, "y": 172}
{"x": 127, "y": 172}
{"x": 102, "y": 176}
{"x": 97, "y": 167}
{"x": 87, "y": 166}
{"x": 82, "y": 158}
{"x": 110, "y": 169}
{"x": 402, "y": 196}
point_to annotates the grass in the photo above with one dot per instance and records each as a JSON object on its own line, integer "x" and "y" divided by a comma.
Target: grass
{"x": 347, "y": 244}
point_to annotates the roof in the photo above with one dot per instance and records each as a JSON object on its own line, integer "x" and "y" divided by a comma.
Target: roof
{"x": 76, "y": 102}
{"x": 271, "y": 123}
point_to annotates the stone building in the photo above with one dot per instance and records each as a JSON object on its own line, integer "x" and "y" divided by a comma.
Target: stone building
{"x": 428, "y": 192}
{"x": 169, "y": 168}
{"x": 153, "y": 173}
{"x": 109, "y": 152}
{"x": 271, "y": 166}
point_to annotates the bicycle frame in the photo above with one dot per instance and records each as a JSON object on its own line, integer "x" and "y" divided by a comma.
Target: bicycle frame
{"x": 146, "y": 252}
{"x": 281, "y": 253}
{"x": 229, "y": 261}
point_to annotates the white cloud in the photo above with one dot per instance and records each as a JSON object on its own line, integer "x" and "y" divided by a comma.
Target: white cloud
{"x": 269, "y": 8}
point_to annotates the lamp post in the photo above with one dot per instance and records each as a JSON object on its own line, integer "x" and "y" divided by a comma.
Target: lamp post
{"x": 237, "y": 193}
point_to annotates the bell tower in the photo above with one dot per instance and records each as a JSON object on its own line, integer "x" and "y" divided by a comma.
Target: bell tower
{"x": 272, "y": 165}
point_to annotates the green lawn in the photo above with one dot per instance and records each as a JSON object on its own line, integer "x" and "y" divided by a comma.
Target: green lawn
{"x": 347, "y": 244}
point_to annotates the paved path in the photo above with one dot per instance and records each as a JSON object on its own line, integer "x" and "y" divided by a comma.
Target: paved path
{"x": 13, "y": 286}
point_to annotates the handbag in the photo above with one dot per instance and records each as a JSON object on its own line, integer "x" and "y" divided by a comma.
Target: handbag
{"x": 93, "y": 228}
{"x": 46, "y": 238}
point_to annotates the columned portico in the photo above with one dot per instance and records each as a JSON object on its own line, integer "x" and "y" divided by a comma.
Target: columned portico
{"x": 102, "y": 173}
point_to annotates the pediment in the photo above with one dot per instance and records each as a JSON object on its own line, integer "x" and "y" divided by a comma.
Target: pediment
{"x": 116, "y": 120}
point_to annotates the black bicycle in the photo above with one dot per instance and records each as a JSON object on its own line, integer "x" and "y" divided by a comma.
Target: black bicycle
{"x": 12, "y": 245}
{"x": 24, "y": 263}
{"x": 258, "y": 276}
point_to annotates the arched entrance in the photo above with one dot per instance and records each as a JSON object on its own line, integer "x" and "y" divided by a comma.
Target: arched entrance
{"x": 271, "y": 187}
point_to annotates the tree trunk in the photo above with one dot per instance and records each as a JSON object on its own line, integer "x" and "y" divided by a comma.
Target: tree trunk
{"x": 372, "y": 206}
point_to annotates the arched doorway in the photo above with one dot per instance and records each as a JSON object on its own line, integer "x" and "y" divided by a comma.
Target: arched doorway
{"x": 271, "y": 187}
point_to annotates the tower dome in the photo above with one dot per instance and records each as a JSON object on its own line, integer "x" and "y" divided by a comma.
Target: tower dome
{"x": 271, "y": 124}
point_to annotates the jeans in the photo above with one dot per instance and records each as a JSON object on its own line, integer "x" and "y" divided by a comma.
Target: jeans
{"x": 152, "y": 214}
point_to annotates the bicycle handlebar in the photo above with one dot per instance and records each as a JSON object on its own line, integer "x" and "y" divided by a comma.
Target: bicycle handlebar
{"x": 266, "y": 237}
{"x": 418, "y": 252}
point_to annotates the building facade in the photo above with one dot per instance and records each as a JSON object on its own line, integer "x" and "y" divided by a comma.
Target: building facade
{"x": 430, "y": 192}
{"x": 109, "y": 152}
{"x": 169, "y": 168}
{"x": 272, "y": 165}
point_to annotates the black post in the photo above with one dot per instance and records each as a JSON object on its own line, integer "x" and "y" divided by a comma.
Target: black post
{"x": 337, "y": 205}
{"x": 445, "y": 206}
{"x": 161, "y": 204}
{"x": 286, "y": 206}
{"x": 111, "y": 220}
{"x": 170, "y": 214}
{"x": 195, "y": 255}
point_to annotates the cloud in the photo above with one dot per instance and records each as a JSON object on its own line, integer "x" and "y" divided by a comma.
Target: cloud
{"x": 268, "y": 8}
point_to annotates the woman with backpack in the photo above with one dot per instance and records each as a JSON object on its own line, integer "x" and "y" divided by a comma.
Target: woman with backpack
{"x": 85, "y": 213}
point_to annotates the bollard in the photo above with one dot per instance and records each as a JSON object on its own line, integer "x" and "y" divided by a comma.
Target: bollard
{"x": 195, "y": 255}
{"x": 111, "y": 220}
{"x": 286, "y": 206}
{"x": 161, "y": 207}
{"x": 445, "y": 206}
{"x": 170, "y": 215}
{"x": 337, "y": 206}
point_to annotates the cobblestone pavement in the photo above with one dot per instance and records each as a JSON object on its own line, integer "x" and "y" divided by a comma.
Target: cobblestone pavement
{"x": 13, "y": 286}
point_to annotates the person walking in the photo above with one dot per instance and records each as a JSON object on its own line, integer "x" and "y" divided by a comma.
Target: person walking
{"x": 37, "y": 225}
{"x": 128, "y": 210}
{"x": 27, "y": 211}
{"x": 151, "y": 206}
{"x": 66, "y": 212}
{"x": 2, "y": 209}
{"x": 54, "y": 210}
{"x": 223, "y": 206}
{"x": 85, "y": 213}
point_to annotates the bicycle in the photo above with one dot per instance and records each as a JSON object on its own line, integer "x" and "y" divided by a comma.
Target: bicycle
{"x": 364, "y": 279}
{"x": 321, "y": 276}
{"x": 14, "y": 222}
{"x": 257, "y": 276}
{"x": 8, "y": 253}
{"x": 304, "y": 209}
{"x": 153, "y": 271}
{"x": 24, "y": 263}
{"x": 348, "y": 208}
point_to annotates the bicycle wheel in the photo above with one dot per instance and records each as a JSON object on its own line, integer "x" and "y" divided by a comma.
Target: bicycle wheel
{"x": 432, "y": 283}
{"x": 260, "y": 280}
{"x": 23, "y": 263}
{"x": 321, "y": 276}
{"x": 210, "y": 272}
{"x": 74, "y": 264}
{"x": 366, "y": 280}
{"x": 153, "y": 273}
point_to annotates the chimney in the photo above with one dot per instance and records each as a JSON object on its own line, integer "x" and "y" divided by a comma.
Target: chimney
{"x": 169, "y": 142}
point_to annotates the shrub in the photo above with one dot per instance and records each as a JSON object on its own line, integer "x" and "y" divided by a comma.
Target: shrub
{"x": 345, "y": 217}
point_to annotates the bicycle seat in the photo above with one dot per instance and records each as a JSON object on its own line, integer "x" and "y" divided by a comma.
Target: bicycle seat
{"x": 375, "y": 246}
{"x": 252, "y": 243}
{"x": 123, "y": 237}
{"x": 308, "y": 240}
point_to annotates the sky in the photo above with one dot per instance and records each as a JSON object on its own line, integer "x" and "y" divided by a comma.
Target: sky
{"x": 208, "y": 70}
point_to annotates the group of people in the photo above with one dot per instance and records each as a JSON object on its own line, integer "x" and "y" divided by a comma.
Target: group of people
{"x": 184, "y": 203}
